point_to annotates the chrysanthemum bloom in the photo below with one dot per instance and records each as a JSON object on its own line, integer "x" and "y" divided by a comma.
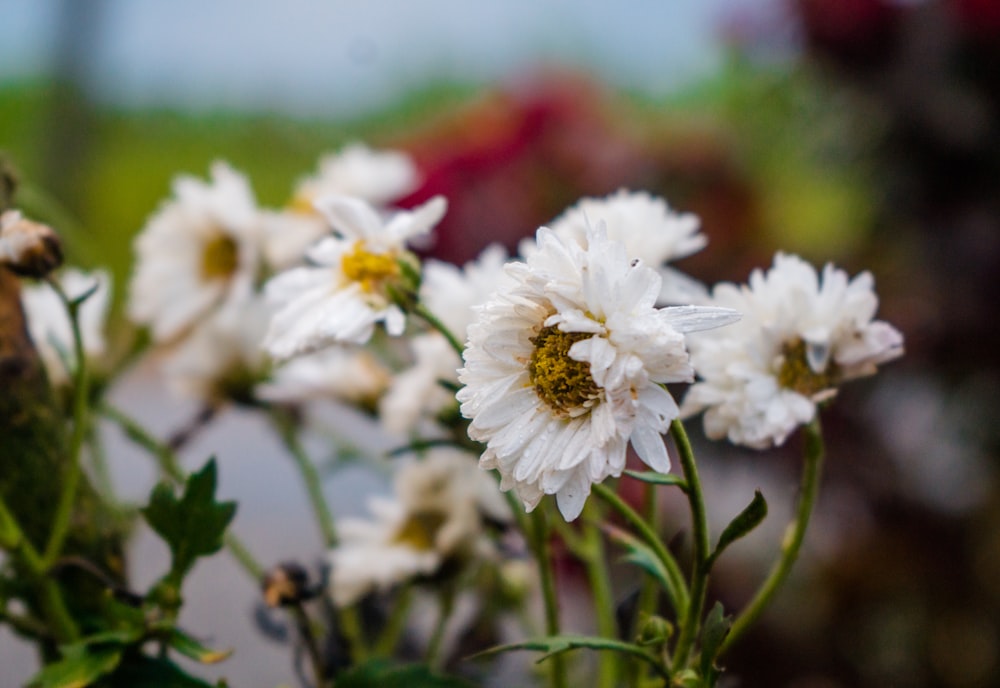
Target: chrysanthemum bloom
{"x": 200, "y": 249}
{"x": 435, "y": 514}
{"x": 49, "y": 324}
{"x": 348, "y": 291}
{"x": 567, "y": 366}
{"x": 350, "y": 374}
{"x": 799, "y": 338}
{"x": 650, "y": 229}
{"x": 378, "y": 177}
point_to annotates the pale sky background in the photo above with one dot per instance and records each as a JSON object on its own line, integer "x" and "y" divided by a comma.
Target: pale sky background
{"x": 341, "y": 57}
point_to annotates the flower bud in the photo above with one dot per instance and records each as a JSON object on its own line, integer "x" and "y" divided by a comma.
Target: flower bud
{"x": 286, "y": 584}
{"x": 29, "y": 249}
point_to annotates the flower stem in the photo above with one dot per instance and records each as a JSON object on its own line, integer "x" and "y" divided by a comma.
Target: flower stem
{"x": 434, "y": 657}
{"x": 432, "y": 320}
{"x": 314, "y": 486}
{"x": 543, "y": 555}
{"x": 699, "y": 524}
{"x": 595, "y": 561}
{"x": 309, "y": 639}
{"x": 794, "y": 535}
{"x": 81, "y": 392}
{"x": 393, "y": 627}
{"x": 677, "y": 591}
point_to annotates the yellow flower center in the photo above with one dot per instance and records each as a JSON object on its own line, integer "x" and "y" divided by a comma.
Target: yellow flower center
{"x": 219, "y": 258}
{"x": 419, "y": 531}
{"x": 563, "y": 383}
{"x": 370, "y": 270}
{"x": 797, "y": 375}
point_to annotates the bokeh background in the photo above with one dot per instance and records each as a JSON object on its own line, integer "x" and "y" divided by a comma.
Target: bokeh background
{"x": 864, "y": 132}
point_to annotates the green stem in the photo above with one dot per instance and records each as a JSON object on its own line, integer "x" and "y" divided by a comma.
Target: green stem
{"x": 434, "y": 658}
{"x": 794, "y": 535}
{"x": 677, "y": 591}
{"x": 543, "y": 555}
{"x": 312, "y": 648}
{"x": 310, "y": 476}
{"x": 81, "y": 390}
{"x": 393, "y": 628}
{"x": 699, "y": 523}
{"x": 595, "y": 560}
{"x": 432, "y": 320}
{"x": 649, "y": 592}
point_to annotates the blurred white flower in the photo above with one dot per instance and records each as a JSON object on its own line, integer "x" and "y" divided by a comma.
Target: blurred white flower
{"x": 49, "y": 324}
{"x": 435, "y": 514}
{"x": 799, "y": 338}
{"x": 650, "y": 230}
{"x": 221, "y": 358}
{"x": 199, "y": 249}
{"x": 567, "y": 366}
{"x": 378, "y": 177}
{"x": 346, "y": 294}
{"x": 287, "y": 236}
{"x": 350, "y": 374}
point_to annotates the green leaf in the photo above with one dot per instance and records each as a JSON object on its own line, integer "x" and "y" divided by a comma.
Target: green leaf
{"x": 716, "y": 629}
{"x": 148, "y": 672}
{"x": 380, "y": 673}
{"x": 193, "y": 525}
{"x": 558, "y": 644}
{"x": 189, "y": 647}
{"x": 747, "y": 520}
{"x": 640, "y": 554}
{"x": 655, "y": 478}
{"x": 80, "y": 666}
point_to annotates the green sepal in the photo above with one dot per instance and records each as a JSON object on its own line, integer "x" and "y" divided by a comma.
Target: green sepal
{"x": 381, "y": 673}
{"x": 745, "y": 521}
{"x": 654, "y": 478}
{"x": 192, "y": 526}
{"x": 717, "y": 626}
{"x": 559, "y": 644}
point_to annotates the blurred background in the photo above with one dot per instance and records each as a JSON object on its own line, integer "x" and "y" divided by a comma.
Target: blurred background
{"x": 864, "y": 132}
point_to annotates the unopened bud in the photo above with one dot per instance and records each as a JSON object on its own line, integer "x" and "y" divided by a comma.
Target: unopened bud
{"x": 286, "y": 584}
{"x": 655, "y": 631}
{"x": 29, "y": 249}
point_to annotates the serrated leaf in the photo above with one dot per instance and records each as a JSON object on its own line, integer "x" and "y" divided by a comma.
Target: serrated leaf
{"x": 655, "y": 478}
{"x": 80, "y": 666}
{"x": 192, "y": 526}
{"x": 189, "y": 647}
{"x": 716, "y": 628}
{"x": 558, "y": 644}
{"x": 380, "y": 673}
{"x": 149, "y": 672}
{"x": 745, "y": 521}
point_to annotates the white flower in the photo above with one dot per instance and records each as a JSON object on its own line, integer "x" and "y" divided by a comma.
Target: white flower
{"x": 351, "y": 374}
{"x": 49, "y": 324}
{"x": 287, "y": 236}
{"x": 378, "y": 177}
{"x": 650, "y": 230}
{"x": 221, "y": 358}
{"x": 199, "y": 249}
{"x": 799, "y": 338}
{"x": 566, "y": 367}
{"x": 342, "y": 299}
{"x": 435, "y": 514}
{"x": 450, "y": 294}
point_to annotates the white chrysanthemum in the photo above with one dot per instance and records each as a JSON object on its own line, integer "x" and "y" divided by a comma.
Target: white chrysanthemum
{"x": 650, "y": 230}
{"x": 49, "y": 324}
{"x": 567, "y": 366}
{"x": 450, "y": 294}
{"x": 799, "y": 338}
{"x": 435, "y": 514}
{"x": 345, "y": 295}
{"x": 221, "y": 358}
{"x": 378, "y": 177}
{"x": 287, "y": 236}
{"x": 350, "y": 374}
{"x": 199, "y": 249}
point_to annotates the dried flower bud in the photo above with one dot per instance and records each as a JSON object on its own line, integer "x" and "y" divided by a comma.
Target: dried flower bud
{"x": 29, "y": 249}
{"x": 286, "y": 584}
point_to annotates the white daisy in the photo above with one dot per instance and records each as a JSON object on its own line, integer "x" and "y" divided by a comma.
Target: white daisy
{"x": 567, "y": 366}
{"x": 434, "y": 515}
{"x": 347, "y": 293}
{"x": 199, "y": 249}
{"x": 287, "y": 236}
{"x": 378, "y": 177}
{"x": 651, "y": 231}
{"x": 350, "y": 374}
{"x": 799, "y": 338}
{"x": 49, "y": 324}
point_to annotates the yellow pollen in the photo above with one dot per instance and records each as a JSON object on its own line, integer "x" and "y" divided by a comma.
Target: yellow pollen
{"x": 796, "y": 375}
{"x": 370, "y": 270}
{"x": 561, "y": 382}
{"x": 419, "y": 531}
{"x": 219, "y": 258}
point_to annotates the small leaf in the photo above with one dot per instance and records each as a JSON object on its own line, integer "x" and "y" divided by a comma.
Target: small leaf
{"x": 747, "y": 520}
{"x": 193, "y": 525}
{"x": 148, "y": 672}
{"x": 558, "y": 644}
{"x": 80, "y": 666}
{"x": 655, "y": 478}
{"x": 189, "y": 647}
{"x": 640, "y": 554}
{"x": 716, "y": 629}
{"x": 380, "y": 673}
